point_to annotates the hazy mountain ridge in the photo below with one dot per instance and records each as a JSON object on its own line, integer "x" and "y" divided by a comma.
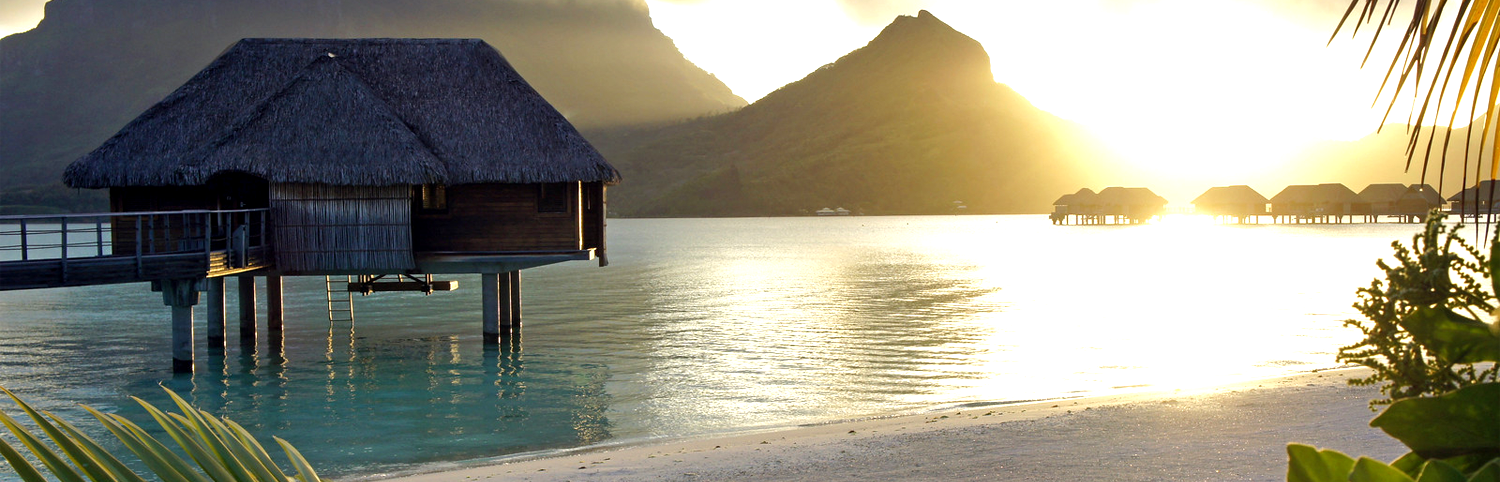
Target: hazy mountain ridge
{"x": 1380, "y": 157}
{"x": 92, "y": 65}
{"x": 910, "y": 123}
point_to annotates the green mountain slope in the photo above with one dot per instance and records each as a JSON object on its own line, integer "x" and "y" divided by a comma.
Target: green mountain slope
{"x": 910, "y": 123}
{"x": 92, "y": 65}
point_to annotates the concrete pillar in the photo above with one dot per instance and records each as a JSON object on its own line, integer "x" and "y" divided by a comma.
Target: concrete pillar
{"x": 515, "y": 301}
{"x": 247, "y": 310}
{"x": 181, "y": 295}
{"x": 215, "y": 313}
{"x": 274, "y": 314}
{"x": 489, "y": 289}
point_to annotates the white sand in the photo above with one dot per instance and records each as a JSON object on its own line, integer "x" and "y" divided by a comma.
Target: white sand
{"x": 1234, "y": 432}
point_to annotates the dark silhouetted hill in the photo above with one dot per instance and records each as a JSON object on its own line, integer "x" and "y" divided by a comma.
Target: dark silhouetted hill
{"x": 92, "y": 65}
{"x": 911, "y": 123}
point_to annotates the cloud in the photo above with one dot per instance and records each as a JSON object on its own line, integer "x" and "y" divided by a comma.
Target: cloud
{"x": 879, "y": 11}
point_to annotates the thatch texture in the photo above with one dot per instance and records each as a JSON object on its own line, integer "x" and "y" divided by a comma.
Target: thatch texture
{"x": 318, "y": 228}
{"x": 1378, "y": 194}
{"x": 1418, "y": 200}
{"x": 1239, "y": 200}
{"x": 1307, "y": 199}
{"x": 1080, "y": 202}
{"x": 351, "y": 112}
{"x": 1136, "y": 202}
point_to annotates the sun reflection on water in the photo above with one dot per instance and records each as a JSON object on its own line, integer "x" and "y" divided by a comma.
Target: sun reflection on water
{"x": 707, "y": 325}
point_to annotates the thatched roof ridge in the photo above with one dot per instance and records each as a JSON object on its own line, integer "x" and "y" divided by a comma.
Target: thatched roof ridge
{"x": 1482, "y": 191}
{"x": 1083, "y": 196}
{"x": 1237, "y": 194}
{"x": 1320, "y": 193}
{"x": 370, "y": 112}
{"x": 1422, "y": 192}
{"x": 1128, "y": 196}
{"x": 1383, "y": 193}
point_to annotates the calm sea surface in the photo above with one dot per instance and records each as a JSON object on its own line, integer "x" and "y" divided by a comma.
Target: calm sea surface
{"x": 712, "y": 325}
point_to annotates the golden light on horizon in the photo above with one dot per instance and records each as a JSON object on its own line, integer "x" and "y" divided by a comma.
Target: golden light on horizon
{"x": 1186, "y": 92}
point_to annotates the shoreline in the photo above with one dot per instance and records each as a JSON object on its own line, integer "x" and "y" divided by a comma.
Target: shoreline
{"x": 964, "y": 442}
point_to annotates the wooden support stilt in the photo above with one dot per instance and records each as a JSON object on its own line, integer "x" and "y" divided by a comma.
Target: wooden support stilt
{"x": 515, "y": 301}
{"x": 489, "y": 289}
{"x": 274, "y": 314}
{"x": 507, "y": 307}
{"x": 215, "y": 313}
{"x": 181, "y": 295}
{"x": 247, "y": 310}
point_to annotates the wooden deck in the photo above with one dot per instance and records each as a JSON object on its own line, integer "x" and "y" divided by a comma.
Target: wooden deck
{"x": 51, "y": 251}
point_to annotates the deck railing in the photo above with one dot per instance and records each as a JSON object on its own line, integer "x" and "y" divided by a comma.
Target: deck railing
{"x": 74, "y": 236}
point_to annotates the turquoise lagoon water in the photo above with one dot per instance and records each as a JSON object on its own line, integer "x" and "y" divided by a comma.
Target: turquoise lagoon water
{"x": 704, "y": 326}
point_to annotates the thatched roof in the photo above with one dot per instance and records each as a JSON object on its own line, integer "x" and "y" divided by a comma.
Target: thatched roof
{"x": 1240, "y": 194}
{"x": 1122, "y": 196}
{"x": 1383, "y": 193}
{"x": 366, "y": 112}
{"x": 1421, "y": 192}
{"x": 1083, "y": 196}
{"x": 1485, "y": 191}
{"x": 1321, "y": 193}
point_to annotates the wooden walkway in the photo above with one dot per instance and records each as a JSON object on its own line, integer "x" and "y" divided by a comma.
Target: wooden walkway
{"x": 48, "y": 251}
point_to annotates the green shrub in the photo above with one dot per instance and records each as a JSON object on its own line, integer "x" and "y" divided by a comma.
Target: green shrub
{"x": 1427, "y": 339}
{"x": 1440, "y": 271}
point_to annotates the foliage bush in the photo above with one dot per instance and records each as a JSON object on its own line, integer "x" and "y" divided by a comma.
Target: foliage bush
{"x": 1428, "y": 338}
{"x": 1441, "y": 271}
{"x": 221, "y": 449}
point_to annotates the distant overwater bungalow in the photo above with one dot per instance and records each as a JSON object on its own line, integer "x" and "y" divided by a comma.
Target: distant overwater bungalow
{"x": 1476, "y": 200}
{"x": 1238, "y": 202}
{"x": 1311, "y": 203}
{"x": 1113, "y": 205}
{"x": 375, "y": 163}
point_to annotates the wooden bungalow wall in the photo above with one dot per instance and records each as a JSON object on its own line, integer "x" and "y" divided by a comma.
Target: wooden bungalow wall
{"x": 319, "y": 228}
{"x": 500, "y": 218}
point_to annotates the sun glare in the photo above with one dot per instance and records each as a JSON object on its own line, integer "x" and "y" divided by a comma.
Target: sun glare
{"x": 1184, "y": 92}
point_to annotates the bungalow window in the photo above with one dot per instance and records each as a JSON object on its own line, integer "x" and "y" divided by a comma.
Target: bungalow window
{"x": 552, "y": 198}
{"x": 432, "y": 198}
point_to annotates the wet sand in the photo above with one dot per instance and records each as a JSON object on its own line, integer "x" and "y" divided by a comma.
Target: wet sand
{"x": 1232, "y": 432}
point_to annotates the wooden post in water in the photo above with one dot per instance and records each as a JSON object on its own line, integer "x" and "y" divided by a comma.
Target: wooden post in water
{"x": 489, "y": 289}
{"x": 181, "y": 295}
{"x": 507, "y": 306}
{"x": 515, "y": 301}
{"x": 274, "y": 314}
{"x": 215, "y": 313}
{"x": 247, "y": 310}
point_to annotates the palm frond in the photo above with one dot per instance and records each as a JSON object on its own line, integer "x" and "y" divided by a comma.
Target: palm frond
{"x": 221, "y": 450}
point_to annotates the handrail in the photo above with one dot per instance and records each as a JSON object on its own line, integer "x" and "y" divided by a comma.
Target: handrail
{"x": 9, "y": 217}
{"x": 154, "y": 232}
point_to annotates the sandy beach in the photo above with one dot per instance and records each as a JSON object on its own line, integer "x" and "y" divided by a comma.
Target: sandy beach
{"x": 1230, "y": 432}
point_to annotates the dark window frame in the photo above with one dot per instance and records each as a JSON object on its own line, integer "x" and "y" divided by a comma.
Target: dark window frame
{"x": 431, "y": 199}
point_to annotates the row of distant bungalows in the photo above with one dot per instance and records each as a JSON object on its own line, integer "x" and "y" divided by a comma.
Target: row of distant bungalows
{"x": 1332, "y": 200}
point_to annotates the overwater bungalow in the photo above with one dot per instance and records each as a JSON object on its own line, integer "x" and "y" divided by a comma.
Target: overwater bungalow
{"x": 1132, "y": 205}
{"x": 1406, "y": 203}
{"x": 1076, "y": 208}
{"x": 1237, "y": 202}
{"x": 1321, "y": 203}
{"x": 1477, "y": 199}
{"x": 391, "y": 159}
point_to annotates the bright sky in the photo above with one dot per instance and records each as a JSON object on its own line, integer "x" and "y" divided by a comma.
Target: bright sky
{"x": 1205, "y": 90}
{"x": 1200, "y": 90}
